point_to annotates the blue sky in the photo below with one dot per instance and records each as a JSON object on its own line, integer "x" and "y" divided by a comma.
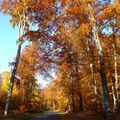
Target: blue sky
{"x": 8, "y": 47}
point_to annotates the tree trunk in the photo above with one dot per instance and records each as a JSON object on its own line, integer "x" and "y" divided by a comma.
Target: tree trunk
{"x": 95, "y": 86}
{"x": 114, "y": 93}
{"x": 54, "y": 105}
{"x": 112, "y": 78}
{"x": 80, "y": 102}
{"x": 92, "y": 69}
{"x": 73, "y": 100}
{"x": 106, "y": 101}
{"x": 12, "y": 79}
{"x": 116, "y": 72}
{"x": 115, "y": 63}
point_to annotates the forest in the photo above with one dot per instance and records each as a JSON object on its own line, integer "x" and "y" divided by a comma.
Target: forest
{"x": 72, "y": 44}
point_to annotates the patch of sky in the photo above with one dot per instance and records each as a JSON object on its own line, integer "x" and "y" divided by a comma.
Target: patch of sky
{"x": 43, "y": 80}
{"x": 107, "y": 31}
{"x": 106, "y": 1}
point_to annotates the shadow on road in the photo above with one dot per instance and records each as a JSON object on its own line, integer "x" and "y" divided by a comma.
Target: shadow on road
{"x": 48, "y": 115}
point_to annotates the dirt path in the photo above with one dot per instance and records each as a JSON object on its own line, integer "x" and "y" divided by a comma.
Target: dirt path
{"x": 46, "y": 116}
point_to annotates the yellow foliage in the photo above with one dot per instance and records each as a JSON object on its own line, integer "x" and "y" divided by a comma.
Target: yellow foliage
{"x": 5, "y": 81}
{"x": 117, "y": 7}
{"x": 84, "y": 29}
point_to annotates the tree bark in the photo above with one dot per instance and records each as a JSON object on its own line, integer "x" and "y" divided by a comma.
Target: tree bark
{"x": 116, "y": 71}
{"x": 92, "y": 69}
{"x": 80, "y": 102}
{"x": 106, "y": 101}
{"x": 12, "y": 79}
{"x": 95, "y": 85}
{"x": 72, "y": 98}
{"x": 115, "y": 100}
{"x": 112, "y": 78}
{"x": 73, "y": 103}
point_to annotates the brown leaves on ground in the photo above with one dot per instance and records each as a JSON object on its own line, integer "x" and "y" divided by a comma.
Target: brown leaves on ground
{"x": 91, "y": 116}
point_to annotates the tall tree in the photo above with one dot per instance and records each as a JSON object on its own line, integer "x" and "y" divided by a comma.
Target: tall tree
{"x": 18, "y": 18}
{"x": 96, "y": 38}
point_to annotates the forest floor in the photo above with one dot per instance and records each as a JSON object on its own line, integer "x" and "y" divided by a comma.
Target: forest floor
{"x": 49, "y": 115}
{"x": 91, "y": 116}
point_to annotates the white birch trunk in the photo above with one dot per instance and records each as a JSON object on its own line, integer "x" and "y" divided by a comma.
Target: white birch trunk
{"x": 106, "y": 101}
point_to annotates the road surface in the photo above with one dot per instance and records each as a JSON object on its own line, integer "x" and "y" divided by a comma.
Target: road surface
{"x": 46, "y": 116}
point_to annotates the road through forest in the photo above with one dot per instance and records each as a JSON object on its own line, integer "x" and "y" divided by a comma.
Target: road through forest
{"x": 48, "y": 115}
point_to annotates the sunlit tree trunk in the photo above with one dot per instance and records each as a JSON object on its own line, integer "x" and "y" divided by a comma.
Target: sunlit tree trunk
{"x": 115, "y": 66}
{"x": 116, "y": 75}
{"x": 115, "y": 87}
{"x": 95, "y": 85}
{"x": 106, "y": 101}
{"x": 112, "y": 78}
{"x": 115, "y": 57}
{"x": 54, "y": 104}
{"x": 92, "y": 69}
{"x": 114, "y": 93}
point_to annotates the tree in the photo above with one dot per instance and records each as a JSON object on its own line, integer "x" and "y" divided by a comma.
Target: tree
{"x": 69, "y": 40}
{"x": 18, "y": 18}
{"x": 112, "y": 23}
